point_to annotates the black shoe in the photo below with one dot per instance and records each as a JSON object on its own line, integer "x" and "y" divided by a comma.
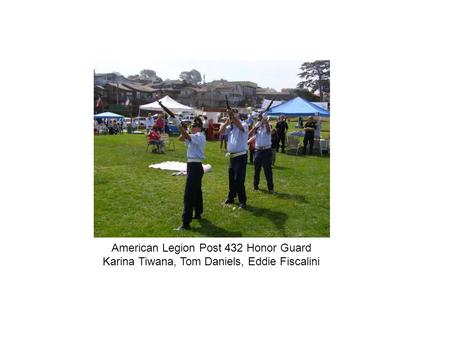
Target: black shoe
{"x": 272, "y": 192}
{"x": 242, "y": 206}
{"x": 228, "y": 201}
{"x": 183, "y": 227}
{"x": 255, "y": 188}
{"x": 197, "y": 217}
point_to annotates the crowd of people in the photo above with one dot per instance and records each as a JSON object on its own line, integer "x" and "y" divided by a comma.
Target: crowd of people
{"x": 108, "y": 126}
{"x": 278, "y": 134}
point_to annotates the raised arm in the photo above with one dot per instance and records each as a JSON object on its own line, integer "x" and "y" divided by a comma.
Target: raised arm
{"x": 183, "y": 134}
{"x": 237, "y": 122}
{"x": 224, "y": 125}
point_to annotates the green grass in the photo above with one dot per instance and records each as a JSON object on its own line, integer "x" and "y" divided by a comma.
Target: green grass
{"x": 132, "y": 200}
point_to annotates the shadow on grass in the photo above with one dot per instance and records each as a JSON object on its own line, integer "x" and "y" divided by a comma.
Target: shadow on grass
{"x": 211, "y": 230}
{"x": 287, "y": 196}
{"x": 276, "y": 217}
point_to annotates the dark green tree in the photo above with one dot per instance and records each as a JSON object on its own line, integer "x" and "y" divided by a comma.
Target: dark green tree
{"x": 315, "y": 76}
{"x": 193, "y": 77}
{"x": 307, "y": 95}
{"x": 148, "y": 74}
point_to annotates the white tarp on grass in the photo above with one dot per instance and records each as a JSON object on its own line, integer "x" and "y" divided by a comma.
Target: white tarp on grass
{"x": 180, "y": 167}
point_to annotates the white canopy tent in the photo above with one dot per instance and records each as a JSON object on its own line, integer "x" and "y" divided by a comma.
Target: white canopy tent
{"x": 170, "y": 103}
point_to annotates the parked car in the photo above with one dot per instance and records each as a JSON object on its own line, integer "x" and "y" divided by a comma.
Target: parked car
{"x": 185, "y": 115}
{"x": 140, "y": 120}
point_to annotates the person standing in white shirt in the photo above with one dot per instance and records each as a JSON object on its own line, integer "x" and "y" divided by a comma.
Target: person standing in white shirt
{"x": 149, "y": 122}
{"x": 193, "y": 197}
{"x": 263, "y": 153}
{"x": 237, "y": 149}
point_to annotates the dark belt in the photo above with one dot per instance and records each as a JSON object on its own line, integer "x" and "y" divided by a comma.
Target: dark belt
{"x": 263, "y": 148}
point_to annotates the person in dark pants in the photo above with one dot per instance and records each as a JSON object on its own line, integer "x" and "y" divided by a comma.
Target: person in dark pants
{"x": 251, "y": 145}
{"x": 193, "y": 197}
{"x": 237, "y": 150}
{"x": 310, "y": 127}
{"x": 263, "y": 153}
{"x": 274, "y": 140}
{"x": 251, "y": 149}
{"x": 281, "y": 128}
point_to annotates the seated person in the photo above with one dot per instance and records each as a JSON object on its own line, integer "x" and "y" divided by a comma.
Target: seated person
{"x": 114, "y": 128}
{"x": 154, "y": 137}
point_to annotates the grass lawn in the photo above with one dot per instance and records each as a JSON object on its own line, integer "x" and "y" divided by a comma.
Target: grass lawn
{"x": 132, "y": 200}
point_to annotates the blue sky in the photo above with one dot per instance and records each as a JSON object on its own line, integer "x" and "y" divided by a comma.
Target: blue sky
{"x": 275, "y": 74}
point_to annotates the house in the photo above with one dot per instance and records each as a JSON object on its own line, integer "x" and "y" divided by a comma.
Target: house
{"x": 102, "y": 79}
{"x": 191, "y": 95}
{"x": 117, "y": 92}
{"x": 270, "y": 93}
{"x": 100, "y": 91}
{"x": 141, "y": 92}
{"x": 238, "y": 93}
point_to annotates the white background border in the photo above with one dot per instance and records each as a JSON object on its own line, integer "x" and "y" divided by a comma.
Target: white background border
{"x": 384, "y": 271}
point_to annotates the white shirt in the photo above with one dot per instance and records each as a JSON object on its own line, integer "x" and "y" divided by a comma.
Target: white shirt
{"x": 196, "y": 146}
{"x": 317, "y": 131}
{"x": 263, "y": 137}
{"x": 225, "y": 130}
{"x": 149, "y": 122}
{"x": 237, "y": 139}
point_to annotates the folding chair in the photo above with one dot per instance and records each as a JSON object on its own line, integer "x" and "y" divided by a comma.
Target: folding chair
{"x": 154, "y": 147}
{"x": 168, "y": 141}
{"x": 293, "y": 142}
{"x": 324, "y": 145}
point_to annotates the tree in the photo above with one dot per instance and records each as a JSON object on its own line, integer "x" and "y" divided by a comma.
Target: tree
{"x": 307, "y": 95}
{"x": 148, "y": 74}
{"x": 193, "y": 77}
{"x": 315, "y": 76}
{"x": 133, "y": 77}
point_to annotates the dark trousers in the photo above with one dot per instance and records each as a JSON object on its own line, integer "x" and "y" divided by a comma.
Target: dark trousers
{"x": 193, "y": 198}
{"x": 236, "y": 178}
{"x": 263, "y": 158}
{"x": 309, "y": 138}
{"x": 252, "y": 154}
{"x": 282, "y": 140}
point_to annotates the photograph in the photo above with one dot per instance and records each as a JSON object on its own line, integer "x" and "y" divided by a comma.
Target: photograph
{"x": 212, "y": 149}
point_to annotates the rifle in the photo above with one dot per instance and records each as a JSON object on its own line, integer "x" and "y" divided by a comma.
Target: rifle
{"x": 260, "y": 116}
{"x": 166, "y": 109}
{"x": 229, "y": 110}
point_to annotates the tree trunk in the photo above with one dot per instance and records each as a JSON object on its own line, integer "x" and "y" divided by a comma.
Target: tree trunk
{"x": 320, "y": 83}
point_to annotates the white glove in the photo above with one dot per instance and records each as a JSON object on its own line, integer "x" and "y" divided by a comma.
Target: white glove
{"x": 258, "y": 124}
{"x": 176, "y": 121}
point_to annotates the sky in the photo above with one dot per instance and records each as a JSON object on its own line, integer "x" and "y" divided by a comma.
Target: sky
{"x": 274, "y": 74}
